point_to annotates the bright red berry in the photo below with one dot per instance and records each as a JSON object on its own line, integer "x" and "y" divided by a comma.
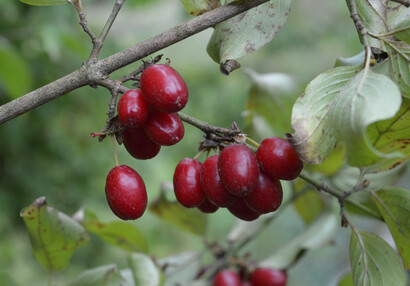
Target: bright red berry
{"x": 268, "y": 277}
{"x": 207, "y": 207}
{"x": 163, "y": 88}
{"x": 242, "y": 211}
{"x": 267, "y": 196}
{"x": 187, "y": 185}
{"x": 212, "y": 185}
{"x": 164, "y": 128}
{"x": 279, "y": 159}
{"x": 227, "y": 278}
{"x": 125, "y": 192}
{"x": 132, "y": 109}
{"x": 238, "y": 169}
{"x": 139, "y": 145}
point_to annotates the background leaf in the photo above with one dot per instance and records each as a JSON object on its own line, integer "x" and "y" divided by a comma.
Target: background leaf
{"x": 402, "y": 30}
{"x": 54, "y": 236}
{"x": 314, "y": 137}
{"x": 248, "y": 32}
{"x": 190, "y": 220}
{"x": 394, "y": 205}
{"x": 374, "y": 262}
{"x": 309, "y": 203}
{"x": 367, "y": 98}
{"x": 144, "y": 270}
{"x": 198, "y": 7}
{"x": 400, "y": 72}
{"x": 118, "y": 233}
{"x": 45, "y": 2}
{"x": 107, "y": 275}
{"x": 181, "y": 267}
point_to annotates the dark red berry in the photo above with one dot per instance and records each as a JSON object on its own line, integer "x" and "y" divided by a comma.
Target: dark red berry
{"x": 246, "y": 284}
{"x": 267, "y": 196}
{"x": 125, "y": 192}
{"x": 242, "y": 211}
{"x": 212, "y": 185}
{"x": 132, "y": 109}
{"x": 238, "y": 169}
{"x": 187, "y": 186}
{"x": 164, "y": 128}
{"x": 163, "y": 88}
{"x": 268, "y": 277}
{"x": 139, "y": 145}
{"x": 227, "y": 278}
{"x": 207, "y": 207}
{"x": 279, "y": 159}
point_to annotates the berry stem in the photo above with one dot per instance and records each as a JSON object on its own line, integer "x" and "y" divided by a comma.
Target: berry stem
{"x": 252, "y": 141}
{"x": 200, "y": 153}
{"x": 115, "y": 151}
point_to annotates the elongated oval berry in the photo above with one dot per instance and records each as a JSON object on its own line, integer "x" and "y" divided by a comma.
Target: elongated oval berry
{"x": 164, "y": 128}
{"x": 240, "y": 209}
{"x": 227, "y": 278}
{"x": 238, "y": 169}
{"x": 139, "y": 145}
{"x": 212, "y": 185}
{"x": 163, "y": 88}
{"x": 279, "y": 159}
{"x": 126, "y": 193}
{"x": 207, "y": 207}
{"x": 268, "y": 277}
{"x": 132, "y": 109}
{"x": 187, "y": 185}
{"x": 267, "y": 196}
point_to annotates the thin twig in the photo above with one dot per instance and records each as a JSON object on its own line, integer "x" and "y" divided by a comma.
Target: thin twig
{"x": 206, "y": 127}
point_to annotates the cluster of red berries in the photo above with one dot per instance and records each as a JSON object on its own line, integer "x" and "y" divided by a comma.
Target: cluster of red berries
{"x": 247, "y": 184}
{"x": 259, "y": 277}
{"x": 150, "y": 121}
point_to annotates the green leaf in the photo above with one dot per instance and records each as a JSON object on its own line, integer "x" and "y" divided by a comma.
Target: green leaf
{"x": 308, "y": 204}
{"x": 190, "y": 220}
{"x": 402, "y": 31}
{"x": 400, "y": 72}
{"x": 391, "y": 135}
{"x": 352, "y": 61}
{"x": 316, "y": 235}
{"x": 118, "y": 233}
{"x": 394, "y": 205}
{"x": 331, "y": 165}
{"x": 144, "y": 270}
{"x": 367, "y": 98}
{"x": 107, "y": 275}
{"x": 45, "y": 2}
{"x": 54, "y": 236}
{"x": 181, "y": 267}
{"x": 314, "y": 136}
{"x": 347, "y": 280}
{"x": 374, "y": 262}
{"x": 273, "y": 91}
{"x": 248, "y": 32}
{"x": 14, "y": 72}
{"x": 198, "y": 7}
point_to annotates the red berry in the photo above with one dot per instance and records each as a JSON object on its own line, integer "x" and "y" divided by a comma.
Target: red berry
{"x": 246, "y": 284}
{"x": 139, "y": 145}
{"x": 125, "y": 192}
{"x": 238, "y": 169}
{"x": 207, "y": 207}
{"x": 227, "y": 278}
{"x": 242, "y": 211}
{"x": 164, "y": 128}
{"x": 212, "y": 185}
{"x": 268, "y": 277}
{"x": 163, "y": 88}
{"x": 132, "y": 109}
{"x": 187, "y": 185}
{"x": 267, "y": 196}
{"x": 279, "y": 159}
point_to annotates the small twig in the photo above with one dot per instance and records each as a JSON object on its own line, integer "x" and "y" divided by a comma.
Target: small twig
{"x": 84, "y": 24}
{"x": 403, "y": 2}
{"x": 356, "y": 19}
{"x": 140, "y": 69}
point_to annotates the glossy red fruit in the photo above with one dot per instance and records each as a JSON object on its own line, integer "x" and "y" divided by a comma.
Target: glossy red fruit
{"x": 139, "y": 145}
{"x": 238, "y": 169}
{"x": 207, "y": 207}
{"x": 164, "y": 128}
{"x": 187, "y": 185}
{"x": 132, "y": 109}
{"x": 212, "y": 185}
{"x": 240, "y": 209}
{"x": 267, "y": 196}
{"x": 268, "y": 277}
{"x": 126, "y": 193}
{"x": 163, "y": 88}
{"x": 279, "y": 159}
{"x": 227, "y": 278}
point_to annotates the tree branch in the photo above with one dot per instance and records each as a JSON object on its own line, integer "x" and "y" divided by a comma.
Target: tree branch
{"x": 92, "y": 73}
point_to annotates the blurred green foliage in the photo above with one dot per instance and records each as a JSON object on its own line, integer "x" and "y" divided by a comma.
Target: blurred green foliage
{"x": 49, "y": 151}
